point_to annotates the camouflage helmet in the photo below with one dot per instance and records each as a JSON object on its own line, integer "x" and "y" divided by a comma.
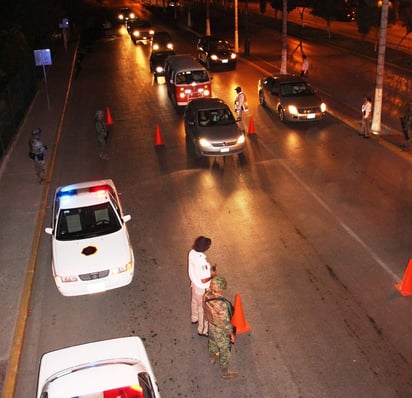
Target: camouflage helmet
{"x": 99, "y": 115}
{"x": 218, "y": 282}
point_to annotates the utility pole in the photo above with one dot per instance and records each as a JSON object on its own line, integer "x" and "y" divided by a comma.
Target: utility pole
{"x": 377, "y": 107}
{"x": 283, "y": 66}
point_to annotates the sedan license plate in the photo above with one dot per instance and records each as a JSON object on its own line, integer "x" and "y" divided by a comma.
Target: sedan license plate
{"x": 225, "y": 61}
{"x": 311, "y": 116}
{"x": 224, "y": 149}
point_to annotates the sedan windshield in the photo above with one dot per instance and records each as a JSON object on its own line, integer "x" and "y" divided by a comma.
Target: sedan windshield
{"x": 87, "y": 222}
{"x": 295, "y": 89}
{"x": 215, "y": 117}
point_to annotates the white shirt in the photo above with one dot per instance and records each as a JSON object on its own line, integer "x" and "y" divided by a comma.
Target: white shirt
{"x": 366, "y": 109}
{"x": 199, "y": 269}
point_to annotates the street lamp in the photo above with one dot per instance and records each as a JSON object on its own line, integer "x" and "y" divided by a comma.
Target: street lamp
{"x": 247, "y": 43}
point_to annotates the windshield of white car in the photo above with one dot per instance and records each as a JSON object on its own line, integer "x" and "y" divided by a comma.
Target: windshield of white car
{"x": 87, "y": 222}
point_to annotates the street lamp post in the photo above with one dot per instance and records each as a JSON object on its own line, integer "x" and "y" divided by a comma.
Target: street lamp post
{"x": 247, "y": 43}
{"x": 207, "y": 19}
{"x": 236, "y": 28}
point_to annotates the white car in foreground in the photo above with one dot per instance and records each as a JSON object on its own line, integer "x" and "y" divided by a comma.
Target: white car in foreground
{"x": 91, "y": 249}
{"x": 117, "y": 368}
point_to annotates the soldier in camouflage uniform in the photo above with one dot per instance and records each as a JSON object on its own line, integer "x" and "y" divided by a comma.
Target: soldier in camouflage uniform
{"x": 37, "y": 152}
{"x": 102, "y": 134}
{"x": 218, "y": 311}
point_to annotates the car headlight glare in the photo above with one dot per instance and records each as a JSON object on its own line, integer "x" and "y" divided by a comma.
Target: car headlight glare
{"x": 204, "y": 142}
{"x": 170, "y": 46}
{"x": 136, "y": 33}
{"x": 214, "y": 57}
{"x": 151, "y": 32}
{"x": 293, "y": 110}
{"x": 323, "y": 107}
{"x": 241, "y": 139}
{"x": 159, "y": 69}
{"x": 206, "y": 92}
{"x": 155, "y": 46}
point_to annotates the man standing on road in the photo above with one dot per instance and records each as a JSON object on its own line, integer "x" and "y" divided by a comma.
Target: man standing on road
{"x": 366, "y": 116}
{"x": 240, "y": 107}
{"x": 305, "y": 66}
{"x": 37, "y": 153}
{"x": 219, "y": 311}
{"x": 200, "y": 274}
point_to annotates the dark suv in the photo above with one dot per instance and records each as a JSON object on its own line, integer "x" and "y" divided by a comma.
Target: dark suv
{"x": 213, "y": 51}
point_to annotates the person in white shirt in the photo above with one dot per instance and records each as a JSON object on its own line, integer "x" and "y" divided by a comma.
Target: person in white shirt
{"x": 366, "y": 116}
{"x": 200, "y": 274}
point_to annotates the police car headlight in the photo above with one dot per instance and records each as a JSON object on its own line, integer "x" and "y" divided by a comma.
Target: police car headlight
{"x": 65, "y": 279}
{"x": 121, "y": 269}
{"x": 293, "y": 110}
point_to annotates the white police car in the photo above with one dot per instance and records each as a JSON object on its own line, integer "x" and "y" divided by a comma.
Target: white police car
{"x": 116, "y": 368}
{"x": 91, "y": 249}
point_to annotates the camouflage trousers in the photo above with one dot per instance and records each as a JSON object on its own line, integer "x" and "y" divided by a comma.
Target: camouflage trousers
{"x": 40, "y": 168}
{"x": 219, "y": 343}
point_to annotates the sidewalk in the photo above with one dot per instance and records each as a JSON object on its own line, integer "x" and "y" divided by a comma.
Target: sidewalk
{"x": 21, "y": 197}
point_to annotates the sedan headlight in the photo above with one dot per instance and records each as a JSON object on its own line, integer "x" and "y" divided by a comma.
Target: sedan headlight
{"x": 293, "y": 110}
{"x": 136, "y": 33}
{"x": 155, "y": 46}
{"x": 151, "y": 32}
{"x": 241, "y": 139}
{"x": 159, "y": 69}
{"x": 170, "y": 46}
{"x": 323, "y": 107}
{"x": 204, "y": 142}
{"x": 214, "y": 57}
{"x": 233, "y": 56}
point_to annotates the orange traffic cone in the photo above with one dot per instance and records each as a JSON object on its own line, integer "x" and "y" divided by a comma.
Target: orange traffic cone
{"x": 238, "y": 318}
{"x": 158, "y": 137}
{"x": 251, "y": 126}
{"x": 405, "y": 287}
{"x": 109, "y": 120}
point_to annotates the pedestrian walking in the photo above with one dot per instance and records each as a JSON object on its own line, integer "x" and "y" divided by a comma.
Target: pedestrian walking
{"x": 37, "y": 152}
{"x": 241, "y": 106}
{"x": 406, "y": 121}
{"x": 102, "y": 134}
{"x": 305, "y": 66}
{"x": 366, "y": 110}
{"x": 200, "y": 274}
{"x": 219, "y": 311}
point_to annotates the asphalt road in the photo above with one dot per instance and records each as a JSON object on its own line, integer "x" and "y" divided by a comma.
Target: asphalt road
{"x": 312, "y": 230}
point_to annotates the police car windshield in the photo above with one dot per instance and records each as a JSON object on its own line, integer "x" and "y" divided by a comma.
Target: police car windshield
{"x": 87, "y": 222}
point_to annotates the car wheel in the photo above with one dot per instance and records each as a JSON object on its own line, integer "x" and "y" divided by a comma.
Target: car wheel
{"x": 262, "y": 99}
{"x": 281, "y": 114}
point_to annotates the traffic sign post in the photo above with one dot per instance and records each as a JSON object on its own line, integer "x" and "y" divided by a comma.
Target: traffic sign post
{"x": 43, "y": 58}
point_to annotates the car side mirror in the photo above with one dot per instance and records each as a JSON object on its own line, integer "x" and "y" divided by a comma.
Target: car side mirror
{"x": 49, "y": 231}
{"x": 127, "y": 218}
{"x": 191, "y": 123}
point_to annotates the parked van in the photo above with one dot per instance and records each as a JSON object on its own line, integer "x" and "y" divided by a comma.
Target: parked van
{"x": 186, "y": 79}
